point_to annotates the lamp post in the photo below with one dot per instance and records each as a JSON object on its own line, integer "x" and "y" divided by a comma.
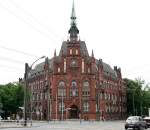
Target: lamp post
{"x": 62, "y": 104}
{"x": 48, "y": 84}
{"x": 67, "y": 111}
{"x": 27, "y": 72}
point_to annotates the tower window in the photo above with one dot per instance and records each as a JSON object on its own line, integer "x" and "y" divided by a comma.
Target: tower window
{"x": 64, "y": 65}
{"x": 88, "y": 70}
{"x": 77, "y": 52}
{"x": 70, "y": 51}
{"x": 58, "y": 69}
{"x": 82, "y": 65}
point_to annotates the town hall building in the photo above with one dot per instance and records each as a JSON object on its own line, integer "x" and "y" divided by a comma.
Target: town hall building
{"x": 74, "y": 84}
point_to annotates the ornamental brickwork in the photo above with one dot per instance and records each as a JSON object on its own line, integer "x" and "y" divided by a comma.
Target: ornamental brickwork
{"x": 75, "y": 85}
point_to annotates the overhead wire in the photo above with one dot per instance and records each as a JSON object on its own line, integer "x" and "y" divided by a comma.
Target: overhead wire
{"x": 11, "y": 60}
{"x": 35, "y": 19}
{"x": 11, "y": 68}
{"x": 29, "y": 24}
{"x": 17, "y": 51}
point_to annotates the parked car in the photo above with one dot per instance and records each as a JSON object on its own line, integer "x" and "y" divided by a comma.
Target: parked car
{"x": 147, "y": 120}
{"x": 135, "y": 122}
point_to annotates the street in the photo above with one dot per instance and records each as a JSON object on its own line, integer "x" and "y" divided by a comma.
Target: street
{"x": 74, "y": 125}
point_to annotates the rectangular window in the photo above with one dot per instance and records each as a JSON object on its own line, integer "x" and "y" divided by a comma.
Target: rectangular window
{"x": 70, "y": 51}
{"x": 64, "y": 65}
{"x": 61, "y": 106}
{"x": 58, "y": 70}
{"x": 61, "y": 92}
{"x": 76, "y": 52}
{"x": 85, "y": 106}
{"x": 74, "y": 92}
{"x": 82, "y": 65}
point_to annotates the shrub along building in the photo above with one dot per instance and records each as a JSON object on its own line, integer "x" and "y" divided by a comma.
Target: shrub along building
{"x": 74, "y": 84}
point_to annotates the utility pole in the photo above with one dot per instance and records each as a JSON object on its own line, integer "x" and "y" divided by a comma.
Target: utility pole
{"x": 25, "y": 93}
{"x": 48, "y": 88}
{"x": 27, "y": 72}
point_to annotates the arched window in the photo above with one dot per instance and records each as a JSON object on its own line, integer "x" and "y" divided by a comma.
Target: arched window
{"x": 61, "y": 89}
{"x": 73, "y": 84}
{"x": 86, "y": 89}
{"x": 73, "y": 89}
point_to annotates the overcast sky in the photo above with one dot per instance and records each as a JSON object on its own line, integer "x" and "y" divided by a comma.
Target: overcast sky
{"x": 118, "y": 31}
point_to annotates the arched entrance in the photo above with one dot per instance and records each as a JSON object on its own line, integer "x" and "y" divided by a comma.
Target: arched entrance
{"x": 74, "y": 112}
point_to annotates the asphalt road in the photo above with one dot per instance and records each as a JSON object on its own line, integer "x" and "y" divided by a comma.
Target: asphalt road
{"x": 74, "y": 125}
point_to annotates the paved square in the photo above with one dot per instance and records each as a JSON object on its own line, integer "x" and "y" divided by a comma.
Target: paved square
{"x": 75, "y": 125}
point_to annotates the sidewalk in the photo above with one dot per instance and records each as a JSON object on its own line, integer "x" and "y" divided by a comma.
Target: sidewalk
{"x": 20, "y": 124}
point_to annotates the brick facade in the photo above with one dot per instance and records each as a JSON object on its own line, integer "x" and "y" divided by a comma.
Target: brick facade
{"x": 74, "y": 84}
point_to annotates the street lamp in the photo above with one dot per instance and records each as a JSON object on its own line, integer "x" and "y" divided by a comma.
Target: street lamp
{"x": 27, "y": 71}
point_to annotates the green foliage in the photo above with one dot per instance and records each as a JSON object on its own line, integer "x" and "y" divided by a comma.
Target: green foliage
{"x": 138, "y": 99}
{"x": 11, "y": 96}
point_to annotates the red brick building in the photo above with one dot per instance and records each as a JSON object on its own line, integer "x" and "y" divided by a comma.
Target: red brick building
{"x": 74, "y": 84}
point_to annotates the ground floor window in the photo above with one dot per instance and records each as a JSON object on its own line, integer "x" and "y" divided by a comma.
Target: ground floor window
{"x": 85, "y": 106}
{"x": 61, "y": 106}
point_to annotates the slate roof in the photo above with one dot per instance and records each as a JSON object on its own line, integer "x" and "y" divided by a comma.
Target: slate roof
{"x": 108, "y": 70}
{"x": 84, "y": 52}
{"x": 83, "y": 48}
{"x": 39, "y": 69}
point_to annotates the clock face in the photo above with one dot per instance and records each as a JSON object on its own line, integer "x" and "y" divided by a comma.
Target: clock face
{"x": 73, "y": 63}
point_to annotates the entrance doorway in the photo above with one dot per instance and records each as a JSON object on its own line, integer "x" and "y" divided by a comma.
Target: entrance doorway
{"x": 74, "y": 112}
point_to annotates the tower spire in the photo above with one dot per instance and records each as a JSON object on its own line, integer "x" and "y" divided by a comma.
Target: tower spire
{"x": 73, "y": 15}
{"x": 73, "y": 31}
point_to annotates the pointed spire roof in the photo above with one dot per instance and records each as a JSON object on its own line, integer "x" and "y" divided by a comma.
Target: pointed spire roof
{"x": 73, "y": 31}
{"x": 92, "y": 53}
{"x": 73, "y": 15}
{"x": 55, "y": 53}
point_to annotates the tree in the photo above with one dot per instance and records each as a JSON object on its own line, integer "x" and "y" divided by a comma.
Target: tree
{"x": 138, "y": 99}
{"x": 1, "y": 106}
{"x": 11, "y": 97}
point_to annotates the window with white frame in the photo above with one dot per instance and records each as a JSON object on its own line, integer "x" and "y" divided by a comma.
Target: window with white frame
{"x": 88, "y": 70}
{"x": 82, "y": 65}
{"x": 61, "y": 106}
{"x": 61, "y": 89}
{"x": 96, "y": 107}
{"x": 77, "y": 52}
{"x": 85, "y": 106}
{"x": 58, "y": 70}
{"x": 73, "y": 89}
{"x": 70, "y": 51}
{"x": 64, "y": 65}
{"x": 86, "y": 89}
